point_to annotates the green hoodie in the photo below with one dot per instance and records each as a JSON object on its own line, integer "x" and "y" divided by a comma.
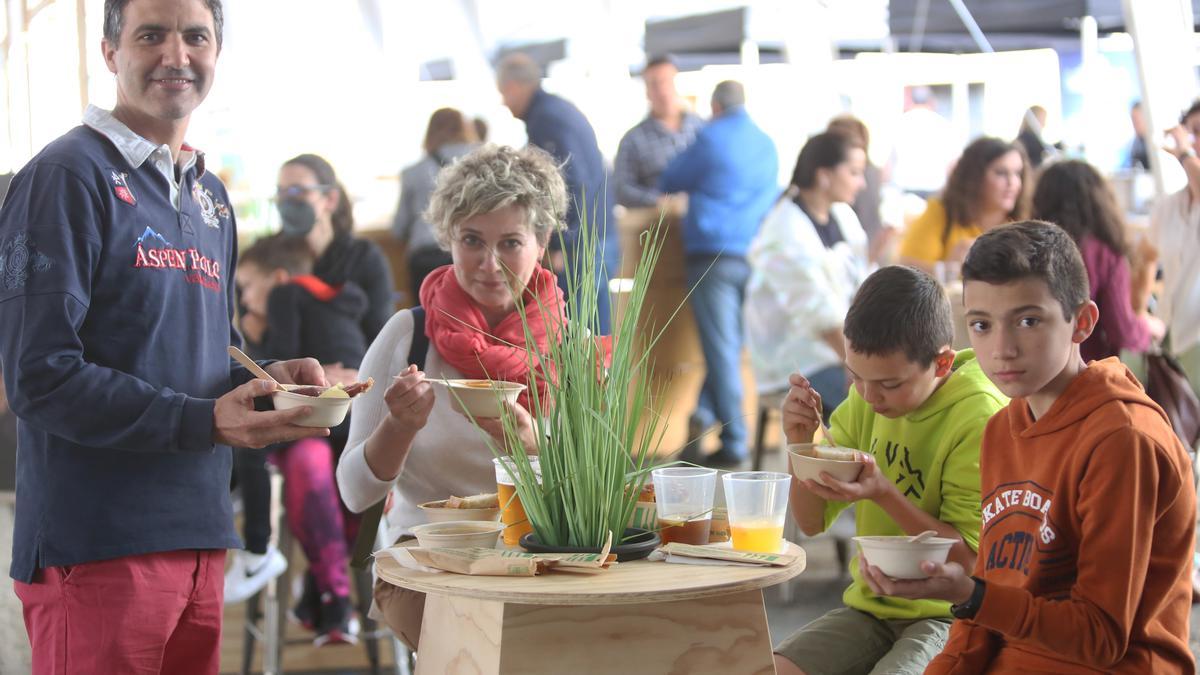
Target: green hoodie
{"x": 932, "y": 455}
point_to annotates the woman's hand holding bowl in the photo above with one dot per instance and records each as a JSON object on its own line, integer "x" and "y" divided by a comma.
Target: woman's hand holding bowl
{"x": 526, "y": 430}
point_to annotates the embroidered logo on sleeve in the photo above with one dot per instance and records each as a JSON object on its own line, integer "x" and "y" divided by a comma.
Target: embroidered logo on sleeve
{"x": 212, "y": 210}
{"x": 19, "y": 259}
{"x": 121, "y": 187}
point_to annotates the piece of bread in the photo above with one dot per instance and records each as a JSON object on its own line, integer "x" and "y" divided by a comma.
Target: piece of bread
{"x": 488, "y": 501}
{"x": 837, "y": 454}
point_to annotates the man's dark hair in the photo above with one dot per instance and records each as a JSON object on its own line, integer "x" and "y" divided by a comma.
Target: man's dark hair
{"x": 114, "y": 19}
{"x": 900, "y": 308}
{"x": 279, "y": 252}
{"x": 1031, "y": 249}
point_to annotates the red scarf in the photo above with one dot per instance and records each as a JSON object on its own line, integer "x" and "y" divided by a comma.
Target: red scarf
{"x": 458, "y": 330}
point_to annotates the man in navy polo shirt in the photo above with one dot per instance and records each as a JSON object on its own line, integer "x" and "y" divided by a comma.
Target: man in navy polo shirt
{"x": 117, "y": 253}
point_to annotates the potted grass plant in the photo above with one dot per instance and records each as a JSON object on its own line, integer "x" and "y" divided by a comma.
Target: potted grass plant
{"x": 598, "y": 435}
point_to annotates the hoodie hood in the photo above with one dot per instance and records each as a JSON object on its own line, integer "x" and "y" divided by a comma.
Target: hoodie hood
{"x": 1102, "y": 383}
{"x": 966, "y": 379}
{"x": 348, "y": 299}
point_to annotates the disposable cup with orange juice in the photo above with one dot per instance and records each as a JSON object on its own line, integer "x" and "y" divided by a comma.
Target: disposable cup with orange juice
{"x": 512, "y": 514}
{"x": 757, "y": 505}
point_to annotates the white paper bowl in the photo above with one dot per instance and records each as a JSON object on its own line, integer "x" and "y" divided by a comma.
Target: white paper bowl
{"x": 437, "y": 512}
{"x": 481, "y": 397}
{"x": 804, "y": 466}
{"x": 458, "y": 534}
{"x": 900, "y": 558}
{"x": 326, "y": 412}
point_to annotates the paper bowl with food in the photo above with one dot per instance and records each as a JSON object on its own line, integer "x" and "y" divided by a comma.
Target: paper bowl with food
{"x": 329, "y": 404}
{"x": 458, "y": 534}
{"x": 810, "y": 459}
{"x": 481, "y": 398}
{"x": 900, "y": 557}
{"x": 476, "y": 507}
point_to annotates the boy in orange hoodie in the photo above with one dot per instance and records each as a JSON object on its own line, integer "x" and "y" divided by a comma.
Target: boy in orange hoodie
{"x": 1088, "y": 501}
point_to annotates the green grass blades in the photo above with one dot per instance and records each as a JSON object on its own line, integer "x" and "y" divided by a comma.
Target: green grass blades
{"x": 598, "y": 435}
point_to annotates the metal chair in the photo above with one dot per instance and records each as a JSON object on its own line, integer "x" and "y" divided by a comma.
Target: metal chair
{"x": 266, "y": 611}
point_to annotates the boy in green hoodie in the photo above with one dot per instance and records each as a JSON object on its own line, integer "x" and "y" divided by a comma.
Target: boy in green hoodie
{"x": 915, "y": 414}
{"x": 1088, "y": 503}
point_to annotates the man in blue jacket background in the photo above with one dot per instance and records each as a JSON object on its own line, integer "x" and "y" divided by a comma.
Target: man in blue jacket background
{"x": 730, "y": 176}
{"x": 555, "y": 125}
{"x": 117, "y": 252}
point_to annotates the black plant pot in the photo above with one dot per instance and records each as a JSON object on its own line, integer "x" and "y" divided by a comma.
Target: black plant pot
{"x": 636, "y": 544}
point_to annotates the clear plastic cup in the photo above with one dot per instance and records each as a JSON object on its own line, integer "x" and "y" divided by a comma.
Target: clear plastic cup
{"x": 512, "y": 513}
{"x": 684, "y": 502}
{"x": 757, "y": 503}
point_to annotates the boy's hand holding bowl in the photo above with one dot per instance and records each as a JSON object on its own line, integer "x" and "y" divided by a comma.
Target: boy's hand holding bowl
{"x": 870, "y": 483}
{"x": 946, "y": 581}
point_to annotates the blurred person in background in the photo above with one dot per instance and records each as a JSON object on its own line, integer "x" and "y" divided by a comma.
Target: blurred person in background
{"x": 869, "y": 200}
{"x": 481, "y": 129}
{"x": 1030, "y": 135}
{"x": 1074, "y": 196}
{"x": 988, "y": 187}
{"x": 313, "y": 204}
{"x": 450, "y": 135}
{"x": 558, "y": 127}
{"x": 1137, "y": 156}
{"x": 807, "y": 261}
{"x": 729, "y": 175}
{"x": 301, "y": 315}
{"x": 313, "y": 207}
{"x": 1175, "y": 232}
{"x": 646, "y": 149}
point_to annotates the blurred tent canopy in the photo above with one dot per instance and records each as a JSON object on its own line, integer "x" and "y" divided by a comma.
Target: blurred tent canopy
{"x": 934, "y": 26}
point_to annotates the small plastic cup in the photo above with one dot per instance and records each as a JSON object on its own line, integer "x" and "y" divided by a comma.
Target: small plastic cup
{"x": 757, "y": 504}
{"x": 684, "y": 501}
{"x": 512, "y": 513}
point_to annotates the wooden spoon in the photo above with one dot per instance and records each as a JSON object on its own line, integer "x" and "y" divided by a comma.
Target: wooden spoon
{"x": 252, "y": 366}
{"x": 918, "y": 538}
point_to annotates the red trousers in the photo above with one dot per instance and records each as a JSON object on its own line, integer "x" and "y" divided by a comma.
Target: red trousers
{"x": 153, "y": 613}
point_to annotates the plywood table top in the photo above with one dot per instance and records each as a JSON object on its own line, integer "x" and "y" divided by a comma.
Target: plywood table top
{"x": 640, "y": 581}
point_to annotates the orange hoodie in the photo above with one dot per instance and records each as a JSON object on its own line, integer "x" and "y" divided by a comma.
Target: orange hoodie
{"x": 1088, "y": 527}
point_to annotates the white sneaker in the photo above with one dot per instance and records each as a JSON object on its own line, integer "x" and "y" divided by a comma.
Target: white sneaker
{"x": 249, "y": 573}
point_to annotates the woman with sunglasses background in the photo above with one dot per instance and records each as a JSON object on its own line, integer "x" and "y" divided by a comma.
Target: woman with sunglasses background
{"x": 313, "y": 205}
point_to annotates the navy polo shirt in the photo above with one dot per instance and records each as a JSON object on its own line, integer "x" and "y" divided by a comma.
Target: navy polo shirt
{"x": 116, "y": 306}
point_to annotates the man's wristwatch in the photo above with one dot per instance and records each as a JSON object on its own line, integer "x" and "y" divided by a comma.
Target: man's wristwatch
{"x": 968, "y": 609}
{"x": 1185, "y": 153}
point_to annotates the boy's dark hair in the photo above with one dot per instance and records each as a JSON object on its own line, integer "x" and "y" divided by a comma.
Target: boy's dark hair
{"x": 900, "y": 308}
{"x": 1031, "y": 249}
{"x": 114, "y": 20}
{"x": 279, "y": 252}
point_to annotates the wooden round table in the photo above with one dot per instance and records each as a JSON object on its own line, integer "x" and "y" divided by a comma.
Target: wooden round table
{"x": 636, "y": 617}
